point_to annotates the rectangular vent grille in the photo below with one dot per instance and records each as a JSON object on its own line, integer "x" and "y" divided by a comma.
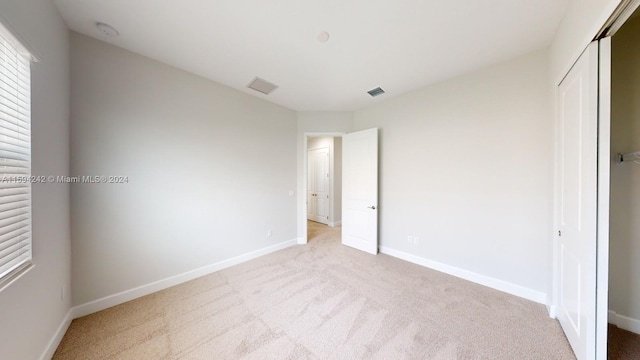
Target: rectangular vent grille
{"x": 375, "y": 92}
{"x": 262, "y": 86}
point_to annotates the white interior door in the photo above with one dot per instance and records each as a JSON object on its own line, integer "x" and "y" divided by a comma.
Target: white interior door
{"x": 577, "y": 205}
{"x": 360, "y": 190}
{"x": 318, "y": 185}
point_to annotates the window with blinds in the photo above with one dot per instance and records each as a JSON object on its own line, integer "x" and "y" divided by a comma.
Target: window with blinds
{"x": 15, "y": 157}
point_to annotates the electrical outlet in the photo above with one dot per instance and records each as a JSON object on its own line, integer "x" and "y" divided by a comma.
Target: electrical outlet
{"x": 410, "y": 239}
{"x": 269, "y": 233}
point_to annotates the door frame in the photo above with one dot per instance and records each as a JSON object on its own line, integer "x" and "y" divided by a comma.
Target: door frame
{"x": 617, "y": 19}
{"x": 305, "y": 173}
{"x": 603, "y": 196}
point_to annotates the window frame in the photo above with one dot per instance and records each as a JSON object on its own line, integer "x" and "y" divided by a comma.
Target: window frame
{"x": 15, "y": 170}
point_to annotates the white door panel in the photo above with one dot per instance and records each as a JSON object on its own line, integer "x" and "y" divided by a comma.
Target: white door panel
{"x": 318, "y": 202}
{"x": 360, "y": 190}
{"x": 577, "y": 190}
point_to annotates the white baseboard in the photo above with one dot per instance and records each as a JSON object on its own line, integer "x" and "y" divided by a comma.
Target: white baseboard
{"x": 57, "y": 337}
{"x": 128, "y": 295}
{"x": 552, "y": 311}
{"x": 624, "y": 322}
{"x": 335, "y": 223}
{"x": 494, "y": 283}
{"x": 301, "y": 241}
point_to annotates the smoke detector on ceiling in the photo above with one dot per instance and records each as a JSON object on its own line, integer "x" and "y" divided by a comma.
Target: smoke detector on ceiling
{"x": 262, "y": 86}
{"x": 107, "y": 30}
{"x": 375, "y": 92}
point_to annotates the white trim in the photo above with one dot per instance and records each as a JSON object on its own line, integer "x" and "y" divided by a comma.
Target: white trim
{"x": 128, "y": 295}
{"x": 624, "y": 322}
{"x": 620, "y": 15}
{"x": 604, "y": 191}
{"x": 57, "y": 337}
{"x": 553, "y": 311}
{"x": 335, "y": 223}
{"x": 20, "y": 272}
{"x": 302, "y": 217}
{"x": 6, "y": 31}
{"x": 301, "y": 241}
{"x": 493, "y": 283}
{"x": 555, "y": 257}
{"x": 588, "y": 38}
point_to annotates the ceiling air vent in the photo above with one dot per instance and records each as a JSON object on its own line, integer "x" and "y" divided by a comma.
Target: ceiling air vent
{"x": 262, "y": 86}
{"x": 375, "y": 92}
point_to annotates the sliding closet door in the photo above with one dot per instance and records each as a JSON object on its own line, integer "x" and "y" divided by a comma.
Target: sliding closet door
{"x": 577, "y": 203}
{"x": 604, "y": 194}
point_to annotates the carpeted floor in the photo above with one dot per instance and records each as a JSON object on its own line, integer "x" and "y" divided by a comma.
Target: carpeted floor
{"x": 320, "y": 301}
{"x": 623, "y": 345}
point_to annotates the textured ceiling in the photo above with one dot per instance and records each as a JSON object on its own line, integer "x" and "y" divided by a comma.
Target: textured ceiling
{"x": 400, "y": 45}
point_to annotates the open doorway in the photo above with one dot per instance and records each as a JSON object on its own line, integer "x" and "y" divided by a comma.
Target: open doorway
{"x": 624, "y": 206}
{"x": 323, "y": 188}
{"x": 358, "y": 187}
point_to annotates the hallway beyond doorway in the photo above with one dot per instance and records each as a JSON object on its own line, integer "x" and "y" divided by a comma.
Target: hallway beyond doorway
{"x": 317, "y": 232}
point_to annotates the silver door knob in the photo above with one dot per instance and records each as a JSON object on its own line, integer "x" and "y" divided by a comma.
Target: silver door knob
{"x": 371, "y": 207}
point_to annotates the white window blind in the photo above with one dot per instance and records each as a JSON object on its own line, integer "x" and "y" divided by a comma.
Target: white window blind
{"x": 15, "y": 157}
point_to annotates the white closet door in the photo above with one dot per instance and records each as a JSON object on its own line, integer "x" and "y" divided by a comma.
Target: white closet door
{"x": 577, "y": 205}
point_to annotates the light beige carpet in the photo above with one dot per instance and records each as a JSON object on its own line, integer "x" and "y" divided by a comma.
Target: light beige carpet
{"x": 320, "y": 301}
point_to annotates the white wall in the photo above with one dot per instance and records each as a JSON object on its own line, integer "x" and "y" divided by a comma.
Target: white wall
{"x": 464, "y": 166}
{"x": 317, "y": 123}
{"x": 31, "y": 309}
{"x": 624, "y": 283}
{"x": 334, "y": 144}
{"x": 209, "y": 168}
{"x": 135, "y": 85}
